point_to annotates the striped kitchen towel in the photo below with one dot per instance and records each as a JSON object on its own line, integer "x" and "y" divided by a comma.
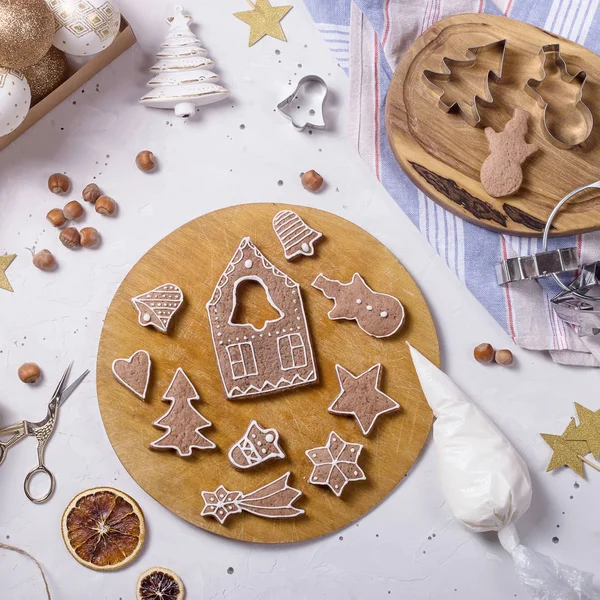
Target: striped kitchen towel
{"x": 368, "y": 37}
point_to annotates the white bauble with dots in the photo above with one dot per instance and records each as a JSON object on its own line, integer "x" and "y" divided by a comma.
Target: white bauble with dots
{"x": 15, "y": 99}
{"x": 85, "y": 27}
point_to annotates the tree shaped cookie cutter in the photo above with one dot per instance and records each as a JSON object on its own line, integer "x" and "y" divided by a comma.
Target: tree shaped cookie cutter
{"x": 471, "y": 116}
{"x": 551, "y": 52}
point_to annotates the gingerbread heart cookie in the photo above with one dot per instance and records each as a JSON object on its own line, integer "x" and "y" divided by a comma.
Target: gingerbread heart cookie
{"x": 134, "y": 372}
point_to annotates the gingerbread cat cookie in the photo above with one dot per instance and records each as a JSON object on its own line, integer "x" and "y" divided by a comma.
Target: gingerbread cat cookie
{"x": 377, "y": 314}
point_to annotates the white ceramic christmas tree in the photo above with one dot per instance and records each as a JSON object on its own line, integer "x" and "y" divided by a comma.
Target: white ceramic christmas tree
{"x": 183, "y": 78}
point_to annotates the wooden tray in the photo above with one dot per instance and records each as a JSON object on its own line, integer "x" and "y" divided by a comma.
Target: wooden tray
{"x": 443, "y": 155}
{"x": 194, "y": 256}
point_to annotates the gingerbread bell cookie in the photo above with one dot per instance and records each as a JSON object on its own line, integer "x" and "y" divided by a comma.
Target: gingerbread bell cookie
{"x": 377, "y": 314}
{"x": 157, "y": 307}
{"x": 335, "y": 464}
{"x": 296, "y": 237}
{"x": 361, "y": 397}
{"x": 255, "y": 361}
{"x": 134, "y": 372}
{"x": 273, "y": 501}
{"x": 257, "y": 446}
{"x": 502, "y": 171}
{"x": 182, "y": 421}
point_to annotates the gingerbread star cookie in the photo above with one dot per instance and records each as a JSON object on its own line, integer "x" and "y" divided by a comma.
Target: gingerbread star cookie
{"x": 361, "y": 397}
{"x": 335, "y": 464}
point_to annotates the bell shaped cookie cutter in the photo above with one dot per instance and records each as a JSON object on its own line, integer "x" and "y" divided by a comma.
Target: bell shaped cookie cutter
{"x": 551, "y": 52}
{"x": 305, "y": 106}
{"x": 471, "y": 116}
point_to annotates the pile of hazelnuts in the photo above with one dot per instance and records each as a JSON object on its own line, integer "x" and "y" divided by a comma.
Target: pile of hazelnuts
{"x": 88, "y": 237}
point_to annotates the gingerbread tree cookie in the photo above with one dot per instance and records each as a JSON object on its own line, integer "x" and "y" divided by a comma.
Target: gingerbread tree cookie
{"x": 377, "y": 314}
{"x": 502, "y": 171}
{"x": 182, "y": 421}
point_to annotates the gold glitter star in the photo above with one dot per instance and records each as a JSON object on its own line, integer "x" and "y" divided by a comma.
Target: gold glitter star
{"x": 264, "y": 19}
{"x": 588, "y": 429}
{"x": 567, "y": 453}
{"x": 4, "y": 264}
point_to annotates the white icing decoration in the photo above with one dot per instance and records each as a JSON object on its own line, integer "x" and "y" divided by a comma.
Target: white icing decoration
{"x": 147, "y": 300}
{"x": 358, "y": 301}
{"x": 383, "y": 314}
{"x": 305, "y": 247}
{"x": 369, "y": 307}
{"x": 295, "y": 235}
{"x": 146, "y": 317}
{"x": 269, "y": 437}
{"x": 248, "y": 264}
{"x": 250, "y": 448}
{"x": 129, "y": 360}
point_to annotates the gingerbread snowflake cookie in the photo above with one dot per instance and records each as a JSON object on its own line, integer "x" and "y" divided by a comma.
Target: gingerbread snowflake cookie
{"x": 335, "y": 464}
{"x": 273, "y": 501}
{"x": 134, "y": 372}
{"x": 257, "y": 446}
{"x": 255, "y": 361}
{"x": 296, "y": 237}
{"x": 361, "y": 397}
{"x": 157, "y": 307}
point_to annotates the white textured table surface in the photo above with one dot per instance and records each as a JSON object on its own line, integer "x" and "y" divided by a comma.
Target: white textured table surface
{"x": 409, "y": 546}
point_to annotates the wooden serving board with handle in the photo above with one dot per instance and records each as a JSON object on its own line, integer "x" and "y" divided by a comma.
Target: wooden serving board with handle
{"x": 443, "y": 155}
{"x": 194, "y": 257}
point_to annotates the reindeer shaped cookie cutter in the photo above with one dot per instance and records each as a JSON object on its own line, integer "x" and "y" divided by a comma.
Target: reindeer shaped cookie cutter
{"x": 551, "y": 53}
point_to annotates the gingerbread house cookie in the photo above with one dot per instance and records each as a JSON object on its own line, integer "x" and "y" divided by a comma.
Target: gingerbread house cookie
{"x": 277, "y": 356}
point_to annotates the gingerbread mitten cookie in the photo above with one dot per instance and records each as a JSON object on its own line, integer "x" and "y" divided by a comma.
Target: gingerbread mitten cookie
{"x": 256, "y": 446}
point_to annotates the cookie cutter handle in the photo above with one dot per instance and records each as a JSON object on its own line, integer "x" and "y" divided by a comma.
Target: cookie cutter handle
{"x": 595, "y": 184}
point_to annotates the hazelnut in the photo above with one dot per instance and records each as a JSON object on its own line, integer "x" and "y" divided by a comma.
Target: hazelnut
{"x": 44, "y": 260}
{"x": 70, "y": 237}
{"x": 59, "y": 183}
{"x": 145, "y": 161}
{"x": 73, "y": 210}
{"x": 89, "y": 237}
{"x": 504, "y": 357}
{"x": 484, "y": 353}
{"x": 312, "y": 181}
{"x": 29, "y": 373}
{"x": 57, "y": 217}
{"x": 91, "y": 193}
{"x": 105, "y": 205}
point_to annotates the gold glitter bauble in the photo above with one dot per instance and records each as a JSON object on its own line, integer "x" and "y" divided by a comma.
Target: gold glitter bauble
{"x": 47, "y": 74}
{"x": 26, "y": 32}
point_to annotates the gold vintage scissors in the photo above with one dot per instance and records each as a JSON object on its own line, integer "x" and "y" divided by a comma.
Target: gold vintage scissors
{"x": 42, "y": 430}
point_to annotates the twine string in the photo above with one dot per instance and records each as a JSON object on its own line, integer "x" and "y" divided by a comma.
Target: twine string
{"x": 37, "y": 564}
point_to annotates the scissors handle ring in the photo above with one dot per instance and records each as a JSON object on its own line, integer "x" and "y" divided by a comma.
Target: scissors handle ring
{"x": 27, "y": 484}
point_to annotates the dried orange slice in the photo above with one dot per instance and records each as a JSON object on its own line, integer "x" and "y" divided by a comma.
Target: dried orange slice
{"x": 159, "y": 583}
{"x": 103, "y": 529}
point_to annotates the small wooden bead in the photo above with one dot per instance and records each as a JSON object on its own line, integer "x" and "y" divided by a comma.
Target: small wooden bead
{"x": 29, "y": 373}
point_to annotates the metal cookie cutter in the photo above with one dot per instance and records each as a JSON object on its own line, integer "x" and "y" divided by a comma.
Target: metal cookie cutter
{"x": 551, "y": 53}
{"x": 304, "y": 107}
{"x": 537, "y": 265}
{"x": 471, "y": 116}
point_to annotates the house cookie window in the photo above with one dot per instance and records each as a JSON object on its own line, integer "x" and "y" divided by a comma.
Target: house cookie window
{"x": 242, "y": 360}
{"x": 292, "y": 352}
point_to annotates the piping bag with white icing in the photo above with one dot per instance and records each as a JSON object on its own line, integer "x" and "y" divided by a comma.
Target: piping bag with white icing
{"x": 487, "y": 484}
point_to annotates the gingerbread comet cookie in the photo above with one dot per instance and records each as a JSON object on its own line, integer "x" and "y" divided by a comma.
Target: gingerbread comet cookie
{"x": 273, "y": 501}
{"x": 335, "y": 464}
{"x": 295, "y": 235}
{"x": 157, "y": 307}
{"x": 134, "y": 372}
{"x": 361, "y": 397}
{"x": 377, "y": 314}
{"x": 257, "y": 446}
{"x": 277, "y": 356}
{"x": 182, "y": 421}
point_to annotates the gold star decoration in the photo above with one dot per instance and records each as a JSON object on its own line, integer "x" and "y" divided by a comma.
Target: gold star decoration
{"x": 264, "y": 19}
{"x": 5, "y": 262}
{"x": 566, "y": 452}
{"x": 588, "y": 429}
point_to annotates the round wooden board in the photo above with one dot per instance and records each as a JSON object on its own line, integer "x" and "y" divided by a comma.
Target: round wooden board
{"x": 443, "y": 155}
{"x": 194, "y": 256}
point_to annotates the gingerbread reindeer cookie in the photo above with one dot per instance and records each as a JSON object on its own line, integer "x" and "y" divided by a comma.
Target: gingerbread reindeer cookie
{"x": 502, "y": 171}
{"x": 377, "y": 314}
{"x": 256, "y": 447}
